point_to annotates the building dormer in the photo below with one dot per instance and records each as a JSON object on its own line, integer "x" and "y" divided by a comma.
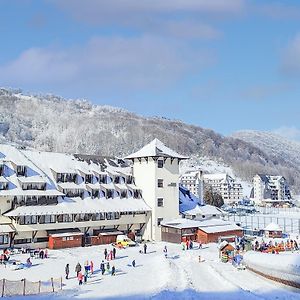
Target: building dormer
{"x": 3, "y": 183}
{"x": 32, "y": 183}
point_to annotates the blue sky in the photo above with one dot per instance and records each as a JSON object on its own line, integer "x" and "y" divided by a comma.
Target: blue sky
{"x": 224, "y": 64}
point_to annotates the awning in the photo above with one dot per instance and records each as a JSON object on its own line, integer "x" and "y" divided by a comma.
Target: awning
{"x": 105, "y": 233}
{"x": 64, "y": 232}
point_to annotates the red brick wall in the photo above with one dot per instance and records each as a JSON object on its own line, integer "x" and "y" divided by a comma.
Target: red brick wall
{"x": 103, "y": 239}
{"x": 206, "y": 238}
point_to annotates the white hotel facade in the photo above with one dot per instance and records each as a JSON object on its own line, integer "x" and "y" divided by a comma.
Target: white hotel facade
{"x": 44, "y": 195}
{"x": 197, "y": 182}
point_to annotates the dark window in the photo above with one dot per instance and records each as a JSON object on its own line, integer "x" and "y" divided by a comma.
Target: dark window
{"x": 160, "y": 183}
{"x": 159, "y": 220}
{"x": 160, "y": 202}
{"x": 41, "y": 240}
{"x": 22, "y": 241}
{"x": 160, "y": 163}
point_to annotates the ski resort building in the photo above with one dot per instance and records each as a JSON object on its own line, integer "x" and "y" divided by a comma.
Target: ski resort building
{"x": 207, "y": 231}
{"x": 61, "y": 200}
{"x": 193, "y": 181}
{"x": 58, "y": 200}
{"x": 222, "y": 183}
{"x": 156, "y": 173}
{"x": 270, "y": 189}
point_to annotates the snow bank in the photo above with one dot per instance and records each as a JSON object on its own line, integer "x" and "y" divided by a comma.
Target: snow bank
{"x": 284, "y": 267}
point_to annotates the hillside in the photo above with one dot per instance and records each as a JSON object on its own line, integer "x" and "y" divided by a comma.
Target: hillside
{"x": 51, "y": 123}
{"x": 273, "y": 144}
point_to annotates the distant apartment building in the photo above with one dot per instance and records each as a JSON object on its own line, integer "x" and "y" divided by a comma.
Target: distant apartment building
{"x": 193, "y": 181}
{"x": 222, "y": 183}
{"x": 268, "y": 188}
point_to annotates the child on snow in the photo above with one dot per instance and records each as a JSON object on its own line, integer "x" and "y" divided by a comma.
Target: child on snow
{"x": 113, "y": 271}
{"x": 80, "y": 277}
{"x": 133, "y": 263}
{"x": 78, "y": 269}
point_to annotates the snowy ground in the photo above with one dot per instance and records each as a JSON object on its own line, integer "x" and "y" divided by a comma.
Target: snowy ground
{"x": 180, "y": 276}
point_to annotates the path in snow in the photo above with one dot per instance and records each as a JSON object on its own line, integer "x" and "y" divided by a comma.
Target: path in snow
{"x": 180, "y": 276}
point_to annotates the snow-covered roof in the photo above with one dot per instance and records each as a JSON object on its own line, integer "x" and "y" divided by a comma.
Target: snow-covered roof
{"x": 204, "y": 210}
{"x": 187, "y": 200}
{"x": 32, "y": 179}
{"x": 208, "y": 226}
{"x": 20, "y": 192}
{"x": 273, "y": 227}
{"x": 2, "y": 179}
{"x": 107, "y": 186}
{"x": 71, "y": 186}
{"x": 155, "y": 149}
{"x": 88, "y": 205}
{"x": 6, "y": 228}
{"x": 217, "y": 176}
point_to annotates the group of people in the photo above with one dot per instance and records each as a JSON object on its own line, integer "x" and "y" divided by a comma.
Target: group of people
{"x": 275, "y": 247}
{"x": 110, "y": 255}
{"x": 83, "y": 275}
{"x": 4, "y": 256}
{"x": 188, "y": 245}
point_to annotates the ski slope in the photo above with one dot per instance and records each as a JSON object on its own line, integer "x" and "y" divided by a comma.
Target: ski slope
{"x": 180, "y": 276}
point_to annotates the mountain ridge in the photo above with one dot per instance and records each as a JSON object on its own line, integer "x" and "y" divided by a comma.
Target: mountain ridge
{"x": 52, "y": 123}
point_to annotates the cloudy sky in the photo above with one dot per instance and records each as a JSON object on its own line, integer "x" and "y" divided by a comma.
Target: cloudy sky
{"x": 221, "y": 64}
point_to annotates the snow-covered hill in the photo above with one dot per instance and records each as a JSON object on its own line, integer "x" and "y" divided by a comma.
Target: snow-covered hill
{"x": 273, "y": 144}
{"x": 51, "y": 123}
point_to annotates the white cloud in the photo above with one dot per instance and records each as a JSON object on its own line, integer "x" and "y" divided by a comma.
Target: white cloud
{"x": 291, "y": 133}
{"x": 107, "y": 62}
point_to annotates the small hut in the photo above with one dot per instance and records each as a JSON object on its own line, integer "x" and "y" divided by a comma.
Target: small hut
{"x": 226, "y": 251}
{"x": 273, "y": 231}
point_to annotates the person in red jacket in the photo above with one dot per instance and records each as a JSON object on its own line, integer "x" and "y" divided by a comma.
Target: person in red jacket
{"x": 80, "y": 278}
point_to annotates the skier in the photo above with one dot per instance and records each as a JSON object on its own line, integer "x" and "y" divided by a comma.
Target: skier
{"x": 67, "y": 270}
{"x": 102, "y": 267}
{"x": 133, "y": 263}
{"x": 111, "y": 255}
{"x": 87, "y": 267}
{"x": 191, "y": 245}
{"x": 114, "y": 253}
{"x": 107, "y": 267}
{"x": 92, "y": 267}
{"x": 166, "y": 252}
{"x": 86, "y": 274}
{"x": 46, "y": 253}
{"x": 145, "y": 248}
{"x": 105, "y": 253}
{"x": 78, "y": 269}
{"x": 200, "y": 245}
{"x": 80, "y": 277}
{"x": 113, "y": 271}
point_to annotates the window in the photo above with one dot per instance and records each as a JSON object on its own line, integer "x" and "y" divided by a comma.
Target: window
{"x": 160, "y": 183}
{"x": 3, "y": 239}
{"x": 68, "y": 238}
{"x": 159, "y": 220}
{"x": 22, "y": 241}
{"x": 160, "y": 202}
{"x": 41, "y": 240}
{"x": 160, "y": 163}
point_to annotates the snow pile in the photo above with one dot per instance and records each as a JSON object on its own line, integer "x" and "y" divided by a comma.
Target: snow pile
{"x": 283, "y": 266}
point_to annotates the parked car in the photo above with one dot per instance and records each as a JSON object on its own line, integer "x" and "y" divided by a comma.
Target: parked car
{"x": 125, "y": 241}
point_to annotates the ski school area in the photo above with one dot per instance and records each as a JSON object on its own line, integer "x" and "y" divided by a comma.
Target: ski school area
{"x": 157, "y": 271}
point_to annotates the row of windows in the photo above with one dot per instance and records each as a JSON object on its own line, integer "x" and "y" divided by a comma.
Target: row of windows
{"x": 65, "y": 218}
